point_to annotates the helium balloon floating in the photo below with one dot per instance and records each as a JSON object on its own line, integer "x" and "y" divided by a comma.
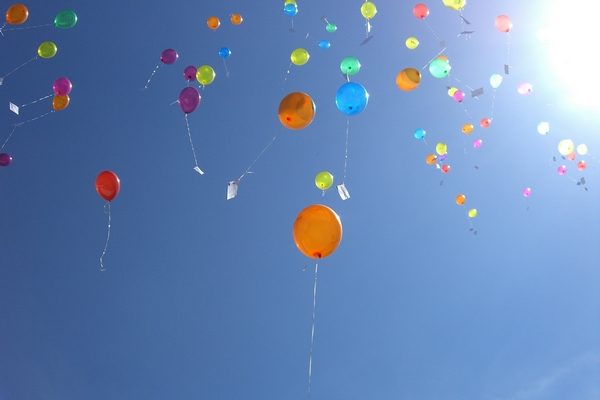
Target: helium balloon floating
{"x": 485, "y": 122}
{"x": 527, "y": 192}
{"x": 296, "y": 111}
{"x": 477, "y": 143}
{"x": 408, "y": 79}
{"x": 62, "y": 86}
{"x": 65, "y": 19}
{"x": 188, "y": 100}
{"x": 189, "y": 73}
{"x": 460, "y": 200}
{"x": 224, "y": 52}
{"x": 324, "y": 44}
{"x": 543, "y": 128}
{"x": 17, "y": 14}
{"x": 439, "y": 68}
{"x": 458, "y": 96}
{"x": 108, "y": 186}
{"x": 205, "y": 75}
{"x": 350, "y": 66}
{"x": 472, "y": 213}
{"x": 525, "y": 89}
{"x": 452, "y": 90}
{"x": 324, "y": 180}
{"x": 562, "y": 170}
{"x": 496, "y": 81}
{"x": 368, "y": 10}
{"x": 60, "y": 102}
{"x": 503, "y": 23}
{"x": 213, "y": 23}
{"x": 566, "y": 147}
{"x": 331, "y": 27}
{"x": 236, "y": 19}
{"x": 420, "y": 134}
{"x": 167, "y": 57}
{"x": 317, "y": 231}
{"x": 47, "y": 49}
{"x": 299, "y": 56}
{"x": 430, "y": 159}
{"x": 467, "y": 129}
{"x": 351, "y": 98}
{"x": 420, "y": 11}
{"x": 441, "y": 148}
{"x": 445, "y": 169}
{"x": 412, "y": 43}
{"x": 5, "y": 159}
{"x": 290, "y": 9}
{"x": 455, "y": 4}
{"x": 582, "y": 149}
{"x": 581, "y": 165}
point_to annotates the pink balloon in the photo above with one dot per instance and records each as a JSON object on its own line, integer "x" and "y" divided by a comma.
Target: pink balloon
{"x": 503, "y": 23}
{"x": 168, "y": 56}
{"x": 458, "y": 96}
{"x": 421, "y": 11}
{"x": 562, "y": 170}
{"x": 525, "y": 89}
{"x": 527, "y": 192}
{"x": 189, "y": 73}
{"x": 477, "y": 143}
{"x": 189, "y": 98}
{"x": 62, "y": 86}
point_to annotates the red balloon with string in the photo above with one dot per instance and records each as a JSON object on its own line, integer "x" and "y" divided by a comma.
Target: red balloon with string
{"x": 108, "y": 185}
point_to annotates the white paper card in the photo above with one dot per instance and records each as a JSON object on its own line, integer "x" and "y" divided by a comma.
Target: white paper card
{"x": 1, "y": 81}
{"x": 198, "y": 170}
{"x": 14, "y": 108}
{"x": 232, "y": 188}
{"x": 477, "y": 92}
{"x": 343, "y": 192}
{"x": 506, "y": 69}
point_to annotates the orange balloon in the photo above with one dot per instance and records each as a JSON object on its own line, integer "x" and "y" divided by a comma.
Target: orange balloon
{"x": 317, "y": 231}
{"x": 443, "y": 57}
{"x": 60, "y": 102}
{"x": 461, "y": 199}
{"x": 431, "y": 159}
{"x": 467, "y": 129}
{"x": 296, "y": 110}
{"x": 213, "y": 22}
{"x": 408, "y": 79}
{"x": 108, "y": 185}
{"x": 17, "y": 14}
{"x": 236, "y": 19}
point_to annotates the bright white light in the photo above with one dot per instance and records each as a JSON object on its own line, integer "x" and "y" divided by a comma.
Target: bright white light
{"x": 572, "y": 36}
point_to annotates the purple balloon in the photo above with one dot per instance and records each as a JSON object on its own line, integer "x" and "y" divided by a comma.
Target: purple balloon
{"x": 169, "y": 56}
{"x": 189, "y": 73}
{"x": 62, "y": 86}
{"x": 5, "y": 159}
{"x": 189, "y": 98}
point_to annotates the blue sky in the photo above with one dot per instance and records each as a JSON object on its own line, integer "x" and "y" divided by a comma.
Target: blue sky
{"x": 207, "y": 298}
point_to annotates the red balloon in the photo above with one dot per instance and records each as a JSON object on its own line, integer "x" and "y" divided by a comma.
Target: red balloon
{"x": 421, "y": 11}
{"x": 108, "y": 185}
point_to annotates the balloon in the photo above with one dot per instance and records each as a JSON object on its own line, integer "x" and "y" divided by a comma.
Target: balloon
{"x": 445, "y": 169}
{"x": 503, "y": 23}
{"x": 485, "y": 122}
{"x": 108, "y": 185}
{"x": 350, "y": 66}
{"x": 459, "y": 96}
{"x": 581, "y": 165}
{"x": 420, "y": 11}
{"x": 213, "y": 22}
{"x": 351, "y": 98}
{"x": 236, "y": 19}
{"x": 524, "y": 89}
{"x": 582, "y": 149}
{"x": 47, "y": 49}
{"x": 527, "y": 192}
{"x": 451, "y": 91}
{"x": 189, "y": 98}
{"x": 472, "y": 213}
{"x": 496, "y": 81}
{"x": 290, "y": 2}
{"x": 168, "y": 56}
{"x": 408, "y": 79}
{"x": 420, "y": 134}
{"x": 460, "y": 200}
{"x": 467, "y": 129}
{"x": 430, "y": 159}
{"x": 368, "y": 9}
{"x": 443, "y": 58}
{"x": 189, "y": 73}
{"x": 324, "y": 180}
{"x": 562, "y": 170}
{"x": 65, "y": 19}
{"x": 455, "y": 4}
{"x": 317, "y": 231}
{"x": 543, "y": 128}
{"x": 299, "y": 56}
{"x": 439, "y": 68}
{"x": 5, "y": 159}
{"x": 571, "y": 156}
{"x": 565, "y": 147}
{"x": 324, "y": 44}
{"x": 412, "y": 43}
{"x": 17, "y": 14}
{"x": 205, "y": 75}
{"x": 60, "y": 102}
{"x": 331, "y": 28}
{"x": 290, "y": 9}
{"x": 62, "y": 86}
{"x": 477, "y": 143}
{"x": 441, "y": 148}
{"x": 224, "y": 52}
{"x": 296, "y": 111}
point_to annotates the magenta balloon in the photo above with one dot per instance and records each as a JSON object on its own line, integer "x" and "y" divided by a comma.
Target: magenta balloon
{"x": 5, "y": 159}
{"x": 168, "y": 56}
{"x": 62, "y": 86}
{"x": 189, "y": 73}
{"x": 189, "y": 98}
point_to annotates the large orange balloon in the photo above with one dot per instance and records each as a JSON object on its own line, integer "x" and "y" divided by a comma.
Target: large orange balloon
{"x": 296, "y": 110}
{"x": 108, "y": 185}
{"x": 60, "y": 102}
{"x": 408, "y": 79}
{"x": 17, "y": 14}
{"x": 317, "y": 231}
{"x": 213, "y": 22}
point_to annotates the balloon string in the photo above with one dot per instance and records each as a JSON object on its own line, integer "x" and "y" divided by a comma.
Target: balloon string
{"x": 247, "y": 171}
{"x": 2, "y": 29}
{"x": 19, "y": 67}
{"x": 433, "y": 31}
{"x": 346, "y": 150}
{"x": 27, "y": 27}
{"x": 312, "y": 330}
{"x": 9, "y": 136}
{"x": 226, "y": 69}
{"x": 151, "y": 75}
{"x": 38, "y": 100}
{"x": 287, "y": 72}
{"x": 33, "y": 119}
{"x": 187, "y": 123}
{"x": 106, "y": 211}
{"x": 433, "y": 58}
{"x": 493, "y": 107}
{"x": 508, "y": 49}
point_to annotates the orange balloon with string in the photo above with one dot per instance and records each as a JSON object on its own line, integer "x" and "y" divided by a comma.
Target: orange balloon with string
{"x": 296, "y": 111}
{"x": 317, "y": 231}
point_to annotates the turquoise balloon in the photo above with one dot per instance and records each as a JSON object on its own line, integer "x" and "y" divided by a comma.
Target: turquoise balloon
{"x": 65, "y": 19}
{"x": 420, "y": 134}
{"x": 350, "y": 66}
{"x": 439, "y": 68}
{"x": 351, "y": 98}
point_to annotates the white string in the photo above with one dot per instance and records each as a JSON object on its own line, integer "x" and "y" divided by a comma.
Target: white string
{"x": 433, "y": 58}
{"x": 191, "y": 142}
{"x": 346, "y": 151}
{"x": 247, "y": 171}
{"x": 8, "y": 138}
{"x": 312, "y": 330}
{"x": 226, "y": 69}
{"x": 38, "y": 100}
{"x": 151, "y": 75}
{"x": 493, "y": 107}
{"x": 33, "y": 119}
{"x": 19, "y": 67}
{"x": 26, "y": 27}
{"x": 106, "y": 211}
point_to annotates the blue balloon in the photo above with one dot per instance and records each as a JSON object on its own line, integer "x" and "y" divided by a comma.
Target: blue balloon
{"x": 324, "y": 44}
{"x": 224, "y": 52}
{"x": 290, "y": 9}
{"x": 420, "y": 133}
{"x": 351, "y": 98}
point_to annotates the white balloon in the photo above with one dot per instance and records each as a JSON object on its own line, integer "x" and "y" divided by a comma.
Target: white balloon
{"x": 495, "y": 81}
{"x": 543, "y": 128}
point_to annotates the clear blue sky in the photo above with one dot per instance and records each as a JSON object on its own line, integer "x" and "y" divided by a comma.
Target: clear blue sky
{"x": 205, "y": 298}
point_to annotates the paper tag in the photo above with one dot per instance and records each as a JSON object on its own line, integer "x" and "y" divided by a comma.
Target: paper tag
{"x": 343, "y": 192}
{"x": 1, "y": 81}
{"x": 232, "y": 188}
{"x": 14, "y": 108}
{"x": 198, "y": 170}
{"x": 477, "y": 92}
{"x": 506, "y": 69}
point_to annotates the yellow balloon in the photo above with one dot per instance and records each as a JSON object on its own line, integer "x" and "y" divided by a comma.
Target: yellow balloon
{"x": 451, "y": 91}
{"x": 472, "y": 213}
{"x": 566, "y": 147}
{"x": 205, "y": 75}
{"x": 455, "y": 4}
{"x": 412, "y": 42}
{"x": 368, "y": 9}
{"x": 299, "y": 56}
{"x": 324, "y": 180}
{"x": 441, "y": 148}
{"x": 47, "y": 49}
{"x": 290, "y": 2}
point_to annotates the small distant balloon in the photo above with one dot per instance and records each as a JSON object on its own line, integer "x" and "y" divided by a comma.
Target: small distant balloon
{"x": 331, "y": 27}
{"x": 566, "y": 147}
{"x": 430, "y": 159}
{"x": 451, "y": 91}
{"x": 296, "y": 111}
{"x": 350, "y": 66}
{"x": 189, "y": 73}
{"x": 299, "y": 56}
{"x": 477, "y": 143}
{"x": 205, "y": 75}
{"x": 213, "y": 23}
{"x": 290, "y": 9}
{"x": 368, "y": 9}
{"x": 460, "y": 199}
{"x": 445, "y": 168}
{"x": 189, "y": 98}
{"x": 582, "y": 149}
{"x": 459, "y": 96}
{"x": 408, "y": 79}
{"x": 47, "y": 49}
{"x": 525, "y": 89}
{"x": 351, "y": 98}
{"x": 224, "y": 52}
{"x": 168, "y": 56}
{"x": 439, "y": 68}
{"x": 496, "y": 81}
{"x": 503, "y": 23}
{"x": 485, "y": 122}
{"x": 467, "y": 129}
{"x": 412, "y": 43}
{"x": 420, "y": 134}
{"x": 236, "y": 19}
{"x": 562, "y": 170}
{"x": 472, "y": 213}
{"x": 17, "y": 14}
{"x": 441, "y": 148}
{"x": 65, "y": 19}
{"x": 5, "y": 159}
{"x": 420, "y": 11}
{"x": 543, "y": 128}
{"x": 581, "y": 165}
{"x": 60, "y": 102}
{"x": 324, "y": 44}
{"x": 62, "y": 86}
{"x": 527, "y": 192}
{"x": 324, "y": 180}
{"x": 455, "y": 4}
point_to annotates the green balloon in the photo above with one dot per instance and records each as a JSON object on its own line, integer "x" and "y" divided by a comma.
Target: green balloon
{"x": 205, "y": 75}
{"x": 47, "y": 49}
{"x": 331, "y": 28}
{"x": 350, "y": 66}
{"x": 439, "y": 68}
{"x": 324, "y": 180}
{"x": 65, "y": 19}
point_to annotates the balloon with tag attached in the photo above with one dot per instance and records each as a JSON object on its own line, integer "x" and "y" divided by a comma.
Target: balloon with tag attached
{"x": 527, "y": 192}
{"x": 324, "y": 180}
{"x": 108, "y": 185}
{"x": 350, "y": 66}
{"x": 205, "y": 75}
{"x": 290, "y": 9}
{"x": 525, "y": 89}
{"x": 351, "y": 98}
{"x": 460, "y": 199}
{"x": 296, "y": 111}
{"x": 543, "y": 128}
{"x": 317, "y": 231}
{"x": 17, "y": 14}
{"x": 566, "y": 147}
{"x": 472, "y": 213}
{"x": 420, "y": 134}
{"x": 408, "y": 79}
{"x": 467, "y": 129}
{"x": 224, "y": 52}
{"x": 441, "y": 148}
{"x": 65, "y": 19}
{"x": 47, "y": 49}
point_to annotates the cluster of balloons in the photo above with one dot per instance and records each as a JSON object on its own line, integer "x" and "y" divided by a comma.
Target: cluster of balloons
{"x": 214, "y": 22}
{"x": 569, "y": 151}
{"x": 461, "y": 200}
{"x": 17, "y": 14}
{"x": 62, "y": 88}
